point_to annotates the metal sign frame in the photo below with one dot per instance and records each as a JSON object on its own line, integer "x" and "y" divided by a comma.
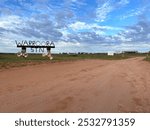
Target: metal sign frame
{"x": 24, "y": 45}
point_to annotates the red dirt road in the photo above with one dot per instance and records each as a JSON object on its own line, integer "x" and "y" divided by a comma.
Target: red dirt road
{"x": 78, "y": 86}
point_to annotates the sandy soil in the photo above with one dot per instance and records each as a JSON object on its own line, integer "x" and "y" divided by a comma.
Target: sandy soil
{"x": 77, "y": 86}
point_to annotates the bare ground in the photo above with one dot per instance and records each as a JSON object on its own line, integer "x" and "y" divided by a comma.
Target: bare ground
{"x": 77, "y": 86}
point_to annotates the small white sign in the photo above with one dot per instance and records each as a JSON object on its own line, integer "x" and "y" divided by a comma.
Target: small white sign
{"x": 110, "y": 53}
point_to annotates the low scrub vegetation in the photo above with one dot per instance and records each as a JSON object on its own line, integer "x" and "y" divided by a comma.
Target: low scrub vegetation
{"x": 11, "y": 60}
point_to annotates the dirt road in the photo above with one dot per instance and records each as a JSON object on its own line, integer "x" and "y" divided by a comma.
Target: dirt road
{"x": 77, "y": 86}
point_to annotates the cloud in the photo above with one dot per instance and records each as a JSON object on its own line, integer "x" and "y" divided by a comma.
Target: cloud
{"x": 134, "y": 12}
{"x": 88, "y": 38}
{"x": 41, "y": 28}
{"x": 106, "y": 7}
{"x": 137, "y": 33}
{"x": 122, "y": 3}
{"x": 74, "y": 24}
{"x": 103, "y": 11}
{"x": 130, "y": 38}
{"x": 5, "y": 11}
{"x": 77, "y": 26}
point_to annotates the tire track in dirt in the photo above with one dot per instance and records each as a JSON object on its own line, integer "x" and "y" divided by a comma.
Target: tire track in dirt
{"x": 135, "y": 75}
{"x": 79, "y": 86}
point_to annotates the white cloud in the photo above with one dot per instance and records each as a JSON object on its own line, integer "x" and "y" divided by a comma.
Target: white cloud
{"x": 123, "y": 2}
{"x": 77, "y": 26}
{"x": 10, "y": 22}
{"x": 134, "y": 12}
{"x": 103, "y": 11}
{"x": 67, "y": 23}
{"x": 122, "y": 38}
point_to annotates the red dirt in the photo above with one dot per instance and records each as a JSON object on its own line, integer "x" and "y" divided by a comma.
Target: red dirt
{"x": 77, "y": 86}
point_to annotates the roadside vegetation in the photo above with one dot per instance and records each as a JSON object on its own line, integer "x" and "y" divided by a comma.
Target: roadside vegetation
{"x": 147, "y": 57}
{"x": 11, "y": 60}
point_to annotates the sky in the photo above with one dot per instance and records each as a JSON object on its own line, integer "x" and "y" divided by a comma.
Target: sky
{"x": 77, "y": 25}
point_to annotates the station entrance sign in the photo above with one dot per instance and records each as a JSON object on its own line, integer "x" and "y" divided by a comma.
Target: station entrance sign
{"x": 35, "y": 45}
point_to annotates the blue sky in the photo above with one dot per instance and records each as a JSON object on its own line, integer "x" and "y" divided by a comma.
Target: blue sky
{"x": 77, "y": 25}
